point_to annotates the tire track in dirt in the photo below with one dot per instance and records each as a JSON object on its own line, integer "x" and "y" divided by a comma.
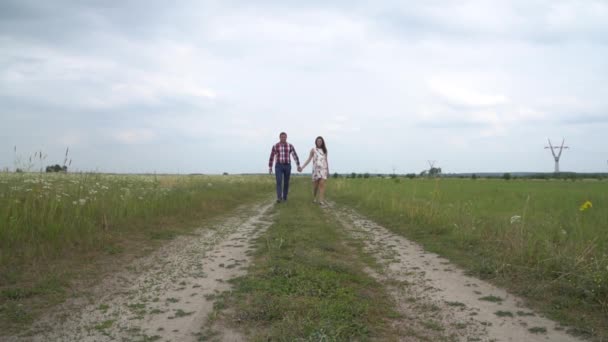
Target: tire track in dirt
{"x": 166, "y": 296}
{"x": 437, "y": 300}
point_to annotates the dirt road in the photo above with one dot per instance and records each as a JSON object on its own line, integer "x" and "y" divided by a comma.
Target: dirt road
{"x": 438, "y": 300}
{"x": 168, "y": 295}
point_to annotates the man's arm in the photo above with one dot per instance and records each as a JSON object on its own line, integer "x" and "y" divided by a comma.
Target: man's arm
{"x": 295, "y": 155}
{"x": 272, "y": 153}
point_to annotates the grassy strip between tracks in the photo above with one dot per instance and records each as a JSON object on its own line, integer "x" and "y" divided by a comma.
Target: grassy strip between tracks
{"x": 306, "y": 282}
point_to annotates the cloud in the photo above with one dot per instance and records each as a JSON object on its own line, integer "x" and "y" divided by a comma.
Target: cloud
{"x": 144, "y": 76}
{"x": 459, "y": 94}
{"x": 135, "y": 136}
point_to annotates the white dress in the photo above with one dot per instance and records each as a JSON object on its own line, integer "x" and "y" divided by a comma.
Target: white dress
{"x": 320, "y": 168}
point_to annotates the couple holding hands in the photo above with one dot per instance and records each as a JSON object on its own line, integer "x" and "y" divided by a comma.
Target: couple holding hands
{"x": 282, "y": 152}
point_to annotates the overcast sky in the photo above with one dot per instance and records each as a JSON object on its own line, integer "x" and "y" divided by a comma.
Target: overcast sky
{"x": 207, "y": 86}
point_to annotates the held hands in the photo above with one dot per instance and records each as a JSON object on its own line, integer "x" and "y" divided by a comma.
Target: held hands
{"x": 299, "y": 169}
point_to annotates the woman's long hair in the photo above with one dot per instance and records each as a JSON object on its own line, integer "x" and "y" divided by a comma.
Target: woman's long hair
{"x": 322, "y": 144}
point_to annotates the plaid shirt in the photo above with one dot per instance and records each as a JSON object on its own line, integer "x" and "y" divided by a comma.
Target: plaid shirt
{"x": 282, "y": 152}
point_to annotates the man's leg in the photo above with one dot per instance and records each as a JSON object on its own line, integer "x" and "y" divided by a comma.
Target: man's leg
{"x": 278, "y": 172}
{"x": 287, "y": 170}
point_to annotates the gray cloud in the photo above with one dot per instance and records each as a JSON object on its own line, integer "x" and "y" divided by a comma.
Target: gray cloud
{"x": 140, "y": 86}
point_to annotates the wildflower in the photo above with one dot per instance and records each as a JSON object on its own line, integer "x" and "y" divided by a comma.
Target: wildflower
{"x": 586, "y": 206}
{"x": 82, "y": 201}
{"x": 515, "y": 219}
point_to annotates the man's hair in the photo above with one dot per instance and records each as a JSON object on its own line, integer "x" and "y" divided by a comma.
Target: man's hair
{"x": 282, "y": 133}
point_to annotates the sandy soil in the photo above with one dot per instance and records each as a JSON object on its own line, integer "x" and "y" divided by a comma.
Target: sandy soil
{"x": 438, "y": 301}
{"x": 166, "y": 296}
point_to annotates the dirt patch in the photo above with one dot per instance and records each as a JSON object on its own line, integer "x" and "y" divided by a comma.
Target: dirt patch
{"x": 165, "y": 296}
{"x": 437, "y": 300}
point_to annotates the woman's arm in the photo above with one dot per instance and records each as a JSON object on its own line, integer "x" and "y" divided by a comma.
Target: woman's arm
{"x": 312, "y": 152}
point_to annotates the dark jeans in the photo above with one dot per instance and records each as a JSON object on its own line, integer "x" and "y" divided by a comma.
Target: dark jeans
{"x": 282, "y": 172}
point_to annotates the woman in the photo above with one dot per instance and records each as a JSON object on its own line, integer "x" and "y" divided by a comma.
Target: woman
{"x": 320, "y": 169}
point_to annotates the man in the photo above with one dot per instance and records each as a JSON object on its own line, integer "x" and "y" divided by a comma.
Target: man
{"x": 283, "y": 152}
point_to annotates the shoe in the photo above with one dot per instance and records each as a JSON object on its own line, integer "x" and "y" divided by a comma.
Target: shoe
{"x": 278, "y": 201}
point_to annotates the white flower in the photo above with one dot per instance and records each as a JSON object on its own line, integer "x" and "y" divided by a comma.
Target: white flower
{"x": 209, "y": 184}
{"x": 515, "y": 219}
{"x": 82, "y": 201}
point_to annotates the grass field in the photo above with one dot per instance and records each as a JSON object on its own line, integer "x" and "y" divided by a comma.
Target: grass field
{"x": 545, "y": 240}
{"x": 53, "y": 226}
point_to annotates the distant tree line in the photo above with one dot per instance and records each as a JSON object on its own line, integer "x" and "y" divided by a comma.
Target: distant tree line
{"x": 436, "y": 172}
{"x": 56, "y": 168}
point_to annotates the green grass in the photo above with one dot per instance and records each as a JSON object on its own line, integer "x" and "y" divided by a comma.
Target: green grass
{"x": 538, "y": 330}
{"x": 181, "y": 313}
{"x": 492, "y": 299}
{"x": 456, "y": 304}
{"x": 45, "y": 215}
{"x": 104, "y": 325}
{"x": 306, "y": 283}
{"x": 58, "y": 227}
{"x": 529, "y": 236}
{"x": 501, "y": 313}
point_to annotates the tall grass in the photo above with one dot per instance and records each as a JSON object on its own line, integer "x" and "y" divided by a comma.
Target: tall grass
{"x": 44, "y": 215}
{"x": 535, "y": 237}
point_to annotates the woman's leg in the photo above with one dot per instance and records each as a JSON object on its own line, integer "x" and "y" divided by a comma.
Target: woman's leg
{"x": 315, "y": 189}
{"x": 322, "y": 190}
